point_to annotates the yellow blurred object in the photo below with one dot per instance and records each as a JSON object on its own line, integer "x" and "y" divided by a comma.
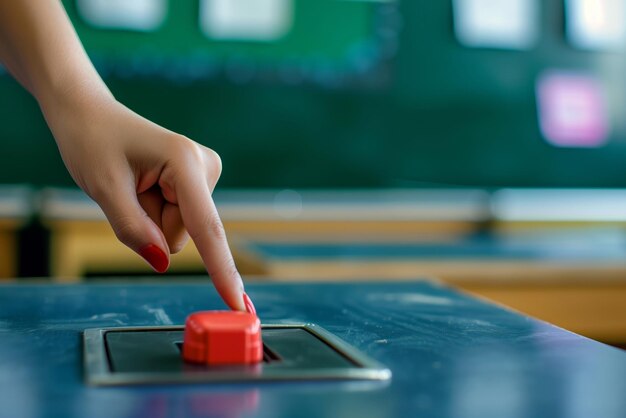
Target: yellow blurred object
{"x": 16, "y": 208}
{"x": 8, "y": 248}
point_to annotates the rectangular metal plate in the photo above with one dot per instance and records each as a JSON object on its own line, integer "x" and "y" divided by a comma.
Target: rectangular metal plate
{"x": 151, "y": 355}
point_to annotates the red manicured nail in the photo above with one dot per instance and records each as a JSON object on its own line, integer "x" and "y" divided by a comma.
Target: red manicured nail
{"x": 156, "y": 257}
{"x": 248, "y": 303}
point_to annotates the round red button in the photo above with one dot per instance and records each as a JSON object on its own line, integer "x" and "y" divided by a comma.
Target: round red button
{"x": 222, "y": 338}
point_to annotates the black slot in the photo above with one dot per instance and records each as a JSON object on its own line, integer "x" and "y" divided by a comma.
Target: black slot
{"x": 269, "y": 355}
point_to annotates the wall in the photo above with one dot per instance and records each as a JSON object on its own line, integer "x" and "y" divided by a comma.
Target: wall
{"x": 340, "y": 102}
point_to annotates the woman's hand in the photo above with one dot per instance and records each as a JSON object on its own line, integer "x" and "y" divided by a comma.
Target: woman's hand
{"x": 153, "y": 185}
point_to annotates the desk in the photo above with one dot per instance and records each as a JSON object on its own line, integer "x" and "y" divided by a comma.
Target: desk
{"x": 451, "y": 355}
{"x": 523, "y": 255}
{"x": 82, "y": 241}
{"x": 575, "y": 279}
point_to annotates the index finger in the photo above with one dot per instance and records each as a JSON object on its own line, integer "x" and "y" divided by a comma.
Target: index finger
{"x": 205, "y": 228}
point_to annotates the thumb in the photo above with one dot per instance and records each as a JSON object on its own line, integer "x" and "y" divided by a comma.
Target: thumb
{"x": 133, "y": 227}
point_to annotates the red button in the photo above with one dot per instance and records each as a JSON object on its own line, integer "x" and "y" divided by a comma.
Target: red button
{"x": 223, "y": 337}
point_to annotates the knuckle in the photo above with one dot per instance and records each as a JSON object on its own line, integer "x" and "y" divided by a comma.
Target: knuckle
{"x": 187, "y": 150}
{"x": 178, "y": 245}
{"x": 216, "y": 228}
{"x": 176, "y": 248}
{"x": 125, "y": 230}
{"x": 231, "y": 268}
{"x": 211, "y": 225}
{"x": 228, "y": 269}
{"x": 214, "y": 163}
{"x": 192, "y": 154}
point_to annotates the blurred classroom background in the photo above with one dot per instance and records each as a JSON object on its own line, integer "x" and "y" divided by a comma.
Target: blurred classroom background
{"x": 478, "y": 142}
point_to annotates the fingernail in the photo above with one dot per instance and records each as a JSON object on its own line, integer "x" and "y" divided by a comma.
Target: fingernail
{"x": 248, "y": 303}
{"x": 156, "y": 257}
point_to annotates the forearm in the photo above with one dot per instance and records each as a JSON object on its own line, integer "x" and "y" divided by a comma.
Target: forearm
{"x": 40, "y": 48}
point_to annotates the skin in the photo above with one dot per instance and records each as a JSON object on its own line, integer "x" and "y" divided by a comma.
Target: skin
{"x": 153, "y": 185}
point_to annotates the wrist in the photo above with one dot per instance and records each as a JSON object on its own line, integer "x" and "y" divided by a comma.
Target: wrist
{"x": 72, "y": 109}
{"x": 72, "y": 94}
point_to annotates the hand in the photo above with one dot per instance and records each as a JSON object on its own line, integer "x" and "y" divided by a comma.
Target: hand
{"x": 153, "y": 185}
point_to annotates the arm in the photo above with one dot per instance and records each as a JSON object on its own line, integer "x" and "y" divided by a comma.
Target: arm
{"x": 153, "y": 185}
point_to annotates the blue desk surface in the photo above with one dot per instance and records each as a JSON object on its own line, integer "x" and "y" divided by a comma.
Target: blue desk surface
{"x": 451, "y": 355}
{"x": 585, "y": 246}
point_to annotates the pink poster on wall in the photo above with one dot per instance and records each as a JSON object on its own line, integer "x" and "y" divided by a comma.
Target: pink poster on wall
{"x": 572, "y": 109}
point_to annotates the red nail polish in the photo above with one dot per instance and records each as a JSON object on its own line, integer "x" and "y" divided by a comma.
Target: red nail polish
{"x": 248, "y": 303}
{"x": 156, "y": 257}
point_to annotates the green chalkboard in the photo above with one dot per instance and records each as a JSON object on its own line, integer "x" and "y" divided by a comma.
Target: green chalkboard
{"x": 341, "y": 101}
